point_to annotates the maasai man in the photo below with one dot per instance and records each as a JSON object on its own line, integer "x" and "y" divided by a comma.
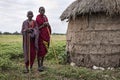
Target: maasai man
{"x": 44, "y": 37}
{"x": 29, "y": 29}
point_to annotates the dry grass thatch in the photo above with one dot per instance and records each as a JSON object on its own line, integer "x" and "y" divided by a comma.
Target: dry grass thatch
{"x": 79, "y": 7}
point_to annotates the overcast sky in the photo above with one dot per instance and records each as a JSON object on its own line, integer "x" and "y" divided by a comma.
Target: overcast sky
{"x": 13, "y": 13}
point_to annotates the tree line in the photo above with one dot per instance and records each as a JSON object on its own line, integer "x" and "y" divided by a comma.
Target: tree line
{"x": 9, "y": 33}
{"x": 17, "y": 33}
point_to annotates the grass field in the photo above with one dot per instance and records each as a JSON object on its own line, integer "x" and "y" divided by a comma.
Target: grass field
{"x": 12, "y": 63}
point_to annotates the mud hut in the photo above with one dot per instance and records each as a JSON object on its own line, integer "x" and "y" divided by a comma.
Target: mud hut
{"x": 93, "y": 34}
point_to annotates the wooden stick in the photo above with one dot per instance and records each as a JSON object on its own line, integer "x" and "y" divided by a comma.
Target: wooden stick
{"x": 29, "y": 55}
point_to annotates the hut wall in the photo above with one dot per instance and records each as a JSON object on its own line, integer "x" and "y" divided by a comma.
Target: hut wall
{"x": 94, "y": 40}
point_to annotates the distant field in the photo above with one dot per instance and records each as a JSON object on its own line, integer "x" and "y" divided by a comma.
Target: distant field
{"x": 18, "y": 38}
{"x": 12, "y": 63}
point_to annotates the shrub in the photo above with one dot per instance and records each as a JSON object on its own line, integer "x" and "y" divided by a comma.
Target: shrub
{"x": 57, "y": 52}
{"x": 5, "y": 63}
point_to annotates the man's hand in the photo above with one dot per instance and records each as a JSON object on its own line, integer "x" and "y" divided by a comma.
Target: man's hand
{"x": 46, "y": 24}
{"x": 29, "y": 30}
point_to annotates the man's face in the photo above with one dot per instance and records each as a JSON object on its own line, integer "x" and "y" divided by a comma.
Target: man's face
{"x": 42, "y": 10}
{"x": 30, "y": 15}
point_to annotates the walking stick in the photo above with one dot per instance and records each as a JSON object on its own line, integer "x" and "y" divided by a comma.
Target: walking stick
{"x": 53, "y": 47}
{"x": 51, "y": 42}
{"x": 29, "y": 55}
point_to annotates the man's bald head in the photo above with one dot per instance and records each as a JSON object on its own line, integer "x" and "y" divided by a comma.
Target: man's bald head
{"x": 29, "y": 15}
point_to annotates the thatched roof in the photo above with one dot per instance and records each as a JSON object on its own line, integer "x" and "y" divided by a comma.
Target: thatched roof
{"x": 80, "y": 7}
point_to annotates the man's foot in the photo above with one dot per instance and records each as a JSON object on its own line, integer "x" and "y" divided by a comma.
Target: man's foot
{"x": 31, "y": 70}
{"x": 40, "y": 69}
{"x": 26, "y": 71}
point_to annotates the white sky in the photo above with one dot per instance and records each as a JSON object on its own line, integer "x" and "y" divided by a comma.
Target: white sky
{"x": 13, "y": 13}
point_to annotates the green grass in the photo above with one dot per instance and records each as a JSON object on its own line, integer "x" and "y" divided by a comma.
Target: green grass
{"x": 12, "y": 63}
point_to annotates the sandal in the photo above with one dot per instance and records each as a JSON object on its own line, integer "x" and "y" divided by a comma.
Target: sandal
{"x": 40, "y": 69}
{"x": 26, "y": 71}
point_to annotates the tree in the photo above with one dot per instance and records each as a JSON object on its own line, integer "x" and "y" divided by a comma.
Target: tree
{"x": 7, "y": 33}
{"x": 16, "y": 33}
{"x": 0, "y": 33}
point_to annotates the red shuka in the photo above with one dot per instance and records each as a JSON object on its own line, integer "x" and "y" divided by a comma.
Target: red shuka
{"x": 44, "y": 35}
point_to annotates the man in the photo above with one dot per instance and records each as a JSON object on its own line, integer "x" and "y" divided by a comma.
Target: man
{"x": 29, "y": 29}
{"x": 44, "y": 37}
